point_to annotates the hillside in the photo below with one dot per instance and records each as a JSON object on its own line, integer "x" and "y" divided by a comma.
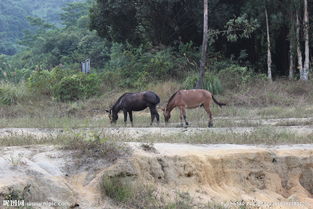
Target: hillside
{"x": 13, "y": 19}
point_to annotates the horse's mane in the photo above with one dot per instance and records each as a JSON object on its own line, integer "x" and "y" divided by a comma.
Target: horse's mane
{"x": 171, "y": 98}
{"x": 119, "y": 100}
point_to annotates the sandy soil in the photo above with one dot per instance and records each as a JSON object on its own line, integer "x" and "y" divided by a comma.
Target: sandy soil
{"x": 222, "y": 173}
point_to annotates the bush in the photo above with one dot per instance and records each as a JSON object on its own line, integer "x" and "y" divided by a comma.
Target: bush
{"x": 77, "y": 86}
{"x": 40, "y": 81}
{"x": 117, "y": 190}
{"x": 234, "y": 76}
{"x": 96, "y": 146}
{"x": 211, "y": 83}
{"x": 136, "y": 67}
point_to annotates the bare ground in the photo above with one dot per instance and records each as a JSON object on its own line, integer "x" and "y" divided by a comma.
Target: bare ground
{"x": 275, "y": 176}
{"x": 224, "y": 174}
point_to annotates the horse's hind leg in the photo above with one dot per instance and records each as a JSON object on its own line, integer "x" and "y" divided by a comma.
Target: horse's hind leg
{"x": 207, "y": 109}
{"x": 154, "y": 114}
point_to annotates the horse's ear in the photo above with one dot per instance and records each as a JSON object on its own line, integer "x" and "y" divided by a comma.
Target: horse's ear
{"x": 108, "y": 111}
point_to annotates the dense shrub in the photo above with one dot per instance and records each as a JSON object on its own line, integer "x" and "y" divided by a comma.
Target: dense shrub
{"x": 41, "y": 82}
{"x": 211, "y": 83}
{"x": 64, "y": 84}
{"x": 77, "y": 86}
{"x": 136, "y": 67}
{"x": 233, "y": 76}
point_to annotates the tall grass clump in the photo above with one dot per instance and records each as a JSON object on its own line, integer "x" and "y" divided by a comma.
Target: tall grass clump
{"x": 211, "y": 82}
{"x": 128, "y": 192}
{"x": 96, "y": 146}
{"x": 11, "y": 93}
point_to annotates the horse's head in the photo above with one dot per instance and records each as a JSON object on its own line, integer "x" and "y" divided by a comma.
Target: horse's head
{"x": 166, "y": 114}
{"x": 112, "y": 115}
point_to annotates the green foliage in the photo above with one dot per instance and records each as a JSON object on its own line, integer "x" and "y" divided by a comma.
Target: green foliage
{"x": 72, "y": 12}
{"x": 138, "y": 21}
{"x": 211, "y": 82}
{"x": 7, "y": 96}
{"x": 234, "y": 76}
{"x": 136, "y": 67}
{"x": 11, "y": 93}
{"x": 41, "y": 82}
{"x": 13, "y": 20}
{"x": 63, "y": 84}
{"x": 240, "y": 27}
{"x": 117, "y": 190}
{"x": 77, "y": 86}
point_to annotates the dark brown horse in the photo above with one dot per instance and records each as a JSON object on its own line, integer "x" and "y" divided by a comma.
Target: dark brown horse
{"x": 129, "y": 102}
{"x": 190, "y": 99}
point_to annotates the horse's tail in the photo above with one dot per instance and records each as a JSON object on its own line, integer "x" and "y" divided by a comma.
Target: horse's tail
{"x": 218, "y": 103}
{"x": 157, "y": 99}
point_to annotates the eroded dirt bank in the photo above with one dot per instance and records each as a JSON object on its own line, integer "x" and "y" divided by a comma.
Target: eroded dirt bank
{"x": 215, "y": 173}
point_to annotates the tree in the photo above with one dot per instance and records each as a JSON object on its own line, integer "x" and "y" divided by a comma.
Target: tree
{"x": 299, "y": 53}
{"x": 306, "y": 42}
{"x": 290, "y": 13}
{"x": 72, "y": 12}
{"x": 204, "y": 45}
{"x": 269, "y": 57}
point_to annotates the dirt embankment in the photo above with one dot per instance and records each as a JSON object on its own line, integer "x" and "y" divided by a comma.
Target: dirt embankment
{"x": 260, "y": 175}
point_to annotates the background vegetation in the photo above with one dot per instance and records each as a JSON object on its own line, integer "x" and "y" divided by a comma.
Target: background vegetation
{"x": 137, "y": 45}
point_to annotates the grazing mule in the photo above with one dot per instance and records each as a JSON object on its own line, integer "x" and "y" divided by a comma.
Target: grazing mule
{"x": 129, "y": 102}
{"x": 190, "y": 99}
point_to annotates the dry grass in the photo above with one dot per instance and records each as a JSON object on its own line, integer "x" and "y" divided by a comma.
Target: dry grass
{"x": 280, "y": 99}
{"x": 278, "y": 93}
{"x": 95, "y": 142}
{"x": 98, "y": 147}
{"x": 130, "y": 193}
{"x": 264, "y": 135}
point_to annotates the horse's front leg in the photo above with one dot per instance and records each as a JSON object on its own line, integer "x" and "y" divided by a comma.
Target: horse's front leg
{"x": 185, "y": 118}
{"x": 125, "y": 118}
{"x": 131, "y": 117}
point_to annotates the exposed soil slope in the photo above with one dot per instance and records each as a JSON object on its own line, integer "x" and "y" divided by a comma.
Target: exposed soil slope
{"x": 221, "y": 173}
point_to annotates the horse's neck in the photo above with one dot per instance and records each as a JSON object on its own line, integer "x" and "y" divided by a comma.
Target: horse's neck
{"x": 117, "y": 107}
{"x": 170, "y": 106}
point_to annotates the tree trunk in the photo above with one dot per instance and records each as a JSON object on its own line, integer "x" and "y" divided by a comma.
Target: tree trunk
{"x": 291, "y": 44}
{"x": 291, "y": 64}
{"x": 204, "y": 45}
{"x": 269, "y": 58}
{"x": 306, "y": 42}
{"x": 299, "y": 53}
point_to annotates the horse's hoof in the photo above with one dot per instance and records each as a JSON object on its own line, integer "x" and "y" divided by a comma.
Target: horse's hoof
{"x": 210, "y": 125}
{"x": 187, "y": 124}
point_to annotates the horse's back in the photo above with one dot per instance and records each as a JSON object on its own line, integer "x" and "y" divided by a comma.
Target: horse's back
{"x": 151, "y": 97}
{"x": 193, "y": 97}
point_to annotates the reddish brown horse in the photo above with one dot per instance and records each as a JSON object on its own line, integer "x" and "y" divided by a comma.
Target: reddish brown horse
{"x": 190, "y": 99}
